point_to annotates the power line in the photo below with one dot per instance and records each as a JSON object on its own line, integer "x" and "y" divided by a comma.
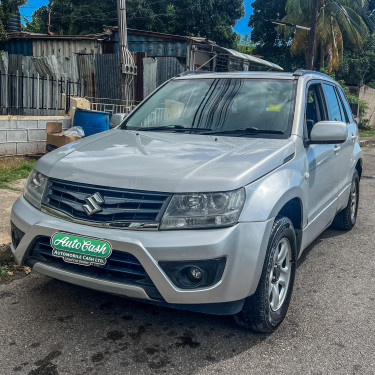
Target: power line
{"x": 347, "y": 16}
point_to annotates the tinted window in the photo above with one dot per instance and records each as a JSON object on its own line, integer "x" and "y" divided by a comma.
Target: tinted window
{"x": 342, "y": 110}
{"x": 333, "y": 107}
{"x": 346, "y": 104}
{"x": 314, "y": 109}
{"x": 219, "y": 104}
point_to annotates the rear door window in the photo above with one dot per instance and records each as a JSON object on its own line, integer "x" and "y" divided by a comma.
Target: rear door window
{"x": 333, "y": 105}
{"x": 345, "y": 104}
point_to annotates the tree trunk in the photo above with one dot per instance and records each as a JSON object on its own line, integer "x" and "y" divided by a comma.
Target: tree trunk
{"x": 312, "y": 36}
{"x": 322, "y": 56}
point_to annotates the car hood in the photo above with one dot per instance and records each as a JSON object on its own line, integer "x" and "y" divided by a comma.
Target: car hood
{"x": 167, "y": 162}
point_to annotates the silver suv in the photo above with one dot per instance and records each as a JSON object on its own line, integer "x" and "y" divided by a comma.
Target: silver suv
{"x": 203, "y": 198}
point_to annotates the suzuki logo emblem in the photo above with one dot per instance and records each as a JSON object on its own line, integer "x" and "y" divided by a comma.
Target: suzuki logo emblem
{"x": 93, "y": 203}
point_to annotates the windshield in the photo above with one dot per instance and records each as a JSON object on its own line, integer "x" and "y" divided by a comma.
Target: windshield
{"x": 225, "y": 105}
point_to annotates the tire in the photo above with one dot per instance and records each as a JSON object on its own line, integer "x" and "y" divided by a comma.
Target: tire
{"x": 346, "y": 219}
{"x": 263, "y": 311}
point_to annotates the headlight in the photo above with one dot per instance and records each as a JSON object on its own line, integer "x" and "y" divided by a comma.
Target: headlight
{"x": 34, "y": 188}
{"x": 203, "y": 210}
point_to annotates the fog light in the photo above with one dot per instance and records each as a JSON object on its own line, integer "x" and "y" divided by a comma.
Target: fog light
{"x": 191, "y": 274}
{"x": 17, "y": 235}
{"x": 195, "y": 274}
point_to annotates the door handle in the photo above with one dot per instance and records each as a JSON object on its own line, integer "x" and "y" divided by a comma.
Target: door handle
{"x": 353, "y": 137}
{"x": 336, "y": 149}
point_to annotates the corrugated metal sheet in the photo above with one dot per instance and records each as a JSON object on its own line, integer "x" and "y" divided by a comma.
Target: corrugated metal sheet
{"x": 18, "y": 47}
{"x": 256, "y": 60}
{"x": 107, "y": 77}
{"x": 167, "y": 67}
{"x": 149, "y": 75}
{"x": 154, "y": 49}
{"x": 154, "y": 46}
{"x": 14, "y": 63}
{"x": 66, "y": 48}
{"x": 158, "y": 70}
{"x": 88, "y": 74}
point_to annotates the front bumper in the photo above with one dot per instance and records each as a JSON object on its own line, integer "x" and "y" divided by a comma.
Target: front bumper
{"x": 244, "y": 246}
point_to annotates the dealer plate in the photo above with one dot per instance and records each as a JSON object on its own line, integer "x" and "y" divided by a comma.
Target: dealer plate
{"x": 86, "y": 251}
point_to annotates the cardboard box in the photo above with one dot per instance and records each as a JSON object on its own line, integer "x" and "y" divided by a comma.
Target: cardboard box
{"x": 56, "y": 137}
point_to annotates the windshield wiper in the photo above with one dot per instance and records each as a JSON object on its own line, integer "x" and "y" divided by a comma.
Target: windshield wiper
{"x": 166, "y": 127}
{"x": 243, "y": 131}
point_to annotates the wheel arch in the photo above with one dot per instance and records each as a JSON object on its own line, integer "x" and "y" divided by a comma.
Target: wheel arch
{"x": 293, "y": 210}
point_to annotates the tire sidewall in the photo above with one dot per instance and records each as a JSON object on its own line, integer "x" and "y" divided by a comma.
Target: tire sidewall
{"x": 355, "y": 181}
{"x": 283, "y": 228}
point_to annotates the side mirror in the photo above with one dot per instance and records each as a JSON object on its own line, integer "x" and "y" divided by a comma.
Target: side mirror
{"x": 329, "y": 132}
{"x": 356, "y": 119}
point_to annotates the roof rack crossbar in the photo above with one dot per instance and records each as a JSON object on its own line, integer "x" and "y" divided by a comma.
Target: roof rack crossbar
{"x": 188, "y": 72}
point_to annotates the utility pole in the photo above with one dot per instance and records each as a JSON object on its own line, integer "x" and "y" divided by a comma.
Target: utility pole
{"x": 49, "y": 17}
{"x": 312, "y": 36}
{"x": 126, "y": 62}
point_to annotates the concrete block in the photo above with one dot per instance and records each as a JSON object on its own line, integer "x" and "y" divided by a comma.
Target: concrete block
{"x": 8, "y": 148}
{"x": 27, "y": 148}
{"x": 3, "y": 136}
{"x": 17, "y": 136}
{"x": 37, "y": 135}
{"x": 27, "y": 124}
{"x": 8, "y": 124}
{"x": 41, "y": 147}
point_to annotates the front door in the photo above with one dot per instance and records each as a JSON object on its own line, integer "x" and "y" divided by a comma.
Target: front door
{"x": 322, "y": 167}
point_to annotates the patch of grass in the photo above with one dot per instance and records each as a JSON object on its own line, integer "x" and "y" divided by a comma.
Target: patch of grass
{"x": 8, "y": 271}
{"x": 12, "y": 169}
{"x": 4, "y": 272}
{"x": 367, "y": 133}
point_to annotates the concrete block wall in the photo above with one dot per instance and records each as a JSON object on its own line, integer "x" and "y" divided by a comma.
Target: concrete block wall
{"x": 26, "y": 135}
{"x": 367, "y": 94}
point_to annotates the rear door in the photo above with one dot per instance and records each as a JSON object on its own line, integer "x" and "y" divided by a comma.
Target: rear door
{"x": 344, "y": 151}
{"x": 347, "y": 151}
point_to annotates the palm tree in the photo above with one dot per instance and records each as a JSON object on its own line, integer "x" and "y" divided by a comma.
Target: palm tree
{"x": 338, "y": 24}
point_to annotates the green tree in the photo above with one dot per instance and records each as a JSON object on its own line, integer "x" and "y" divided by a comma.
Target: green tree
{"x": 263, "y": 30}
{"x": 213, "y": 19}
{"x": 245, "y": 45}
{"x": 269, "y": 43}
{"x": 339, "y": 25}
{"x": 7, "y": 7}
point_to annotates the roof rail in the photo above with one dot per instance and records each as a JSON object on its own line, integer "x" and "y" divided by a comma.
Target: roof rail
{"x": 188, "y": 72}
{"x": 302, "y": 72}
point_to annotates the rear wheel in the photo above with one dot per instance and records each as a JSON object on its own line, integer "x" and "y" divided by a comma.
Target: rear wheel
{"x": 346, "y": 219}
{"x": 267, "y": 307}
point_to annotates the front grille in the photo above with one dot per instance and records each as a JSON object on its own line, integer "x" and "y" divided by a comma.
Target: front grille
{"x": 120, "y": 205}
{"x": 120, "y": 267}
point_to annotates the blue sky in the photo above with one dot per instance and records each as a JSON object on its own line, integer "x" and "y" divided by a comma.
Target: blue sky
{"x": 241, "y": 26}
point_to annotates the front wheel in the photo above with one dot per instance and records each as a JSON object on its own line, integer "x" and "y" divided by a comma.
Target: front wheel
{"x": 267, "y": 307}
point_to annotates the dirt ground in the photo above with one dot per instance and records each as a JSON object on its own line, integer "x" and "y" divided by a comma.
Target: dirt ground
{"x": 7, "y": 198}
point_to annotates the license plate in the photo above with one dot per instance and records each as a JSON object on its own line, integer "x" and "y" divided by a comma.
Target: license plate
{"x": 86, "y": 251}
